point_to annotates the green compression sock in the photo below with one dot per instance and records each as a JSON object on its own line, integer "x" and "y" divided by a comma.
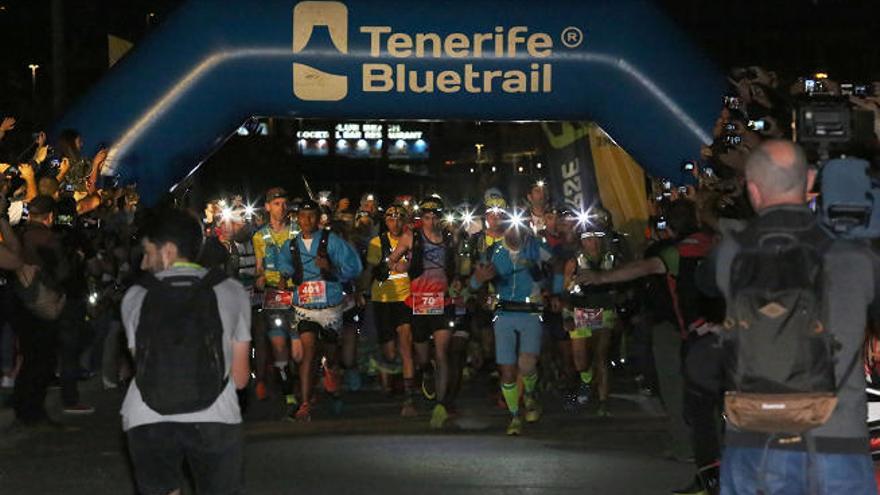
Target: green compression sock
{"x": 587, "y": 376}
{"x": 530, "y": 381}
{"x": 511, "y": 397}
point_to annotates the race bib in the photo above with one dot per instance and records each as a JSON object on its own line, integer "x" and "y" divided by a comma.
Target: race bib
{"x": 312, "y": 292}
{"x": 428, "y": 303}
{"x": 277, "y": 299}
{"x": 589, "y": 318}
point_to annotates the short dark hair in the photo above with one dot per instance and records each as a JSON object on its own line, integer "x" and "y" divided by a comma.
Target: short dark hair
{"x": 179, "y": 227}
{"x": 682, "y": 217}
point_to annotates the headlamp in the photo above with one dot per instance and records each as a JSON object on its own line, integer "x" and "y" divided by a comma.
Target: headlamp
{"x": 249, "y": 211}
{"x": 449, "y": 218}
{"x": 516, "y": 219}
{"x": 278, "y": 321}
{"x": 93, "y": 298}
{"x": 226, "y": 214}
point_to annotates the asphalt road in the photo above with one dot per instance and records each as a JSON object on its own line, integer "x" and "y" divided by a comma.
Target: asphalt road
{"x": 369, "y": 449}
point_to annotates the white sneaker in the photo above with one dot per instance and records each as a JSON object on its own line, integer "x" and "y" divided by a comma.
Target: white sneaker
{"x": 109, "y": 384}
{"x": 7, "y": 382}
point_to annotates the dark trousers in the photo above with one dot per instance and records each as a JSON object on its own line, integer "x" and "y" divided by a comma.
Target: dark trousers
{"x": 703, "y": 361}
{"x": 37, "y": 343}
{"x": 71, "y": 333}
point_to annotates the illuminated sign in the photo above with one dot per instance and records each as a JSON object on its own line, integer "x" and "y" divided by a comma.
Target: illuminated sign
{"x": 358, "y": 140}
{"x": 515, "y": 43}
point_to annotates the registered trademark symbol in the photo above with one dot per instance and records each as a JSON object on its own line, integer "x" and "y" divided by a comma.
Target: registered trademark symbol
{"x": 572, "y": 37}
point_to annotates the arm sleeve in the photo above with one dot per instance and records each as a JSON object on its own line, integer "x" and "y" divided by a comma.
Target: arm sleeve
{"x": 345, "y": 259}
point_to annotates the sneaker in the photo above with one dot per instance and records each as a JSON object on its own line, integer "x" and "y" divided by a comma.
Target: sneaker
{"x": 533, "y": 410}
{"x": 439, "y": 417}
{"x": 302, "y": 414}
{"x": 7, "y": 382}
{"x": 260, "y": 391}
{"x": 603, "y": 411}
{"x": 409, "y": 409}
{"x": 331, "y": 381}
{"x": 515, "y": 427}
{"x": 428, "y": 386}
{"x": 583, "y": 394}
{"x": 81, "y": 409}
{"x": 353, "y": 380}
{"x": 290, "y": 400}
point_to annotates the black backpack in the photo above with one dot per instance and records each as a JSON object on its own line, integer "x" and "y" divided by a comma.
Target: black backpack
{"x": 779, "y": 353}
{"x": 322, "y": 253}
{"x": 180, "y": 365}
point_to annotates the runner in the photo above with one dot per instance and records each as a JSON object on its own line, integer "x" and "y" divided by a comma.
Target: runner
{"x": 515, "y": 266}
{"x": 591, "y": 312}
{"x": 274, "y": 267}
{"x": 322, "y": 263}
{"x": 429, "y": 258}
{"x": 389, "y": 291}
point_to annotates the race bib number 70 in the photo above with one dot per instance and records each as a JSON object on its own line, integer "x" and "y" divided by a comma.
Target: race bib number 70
{"x": 428, "y": 303}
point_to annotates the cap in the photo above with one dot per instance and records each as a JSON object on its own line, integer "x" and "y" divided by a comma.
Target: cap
{"x": 395, "y": 209}
{"x": 309, "y": 205}
{"x": 493, "y": 199}
{"x": 275, "y": 193}
{"x": 41, "y": 205}
{"x": 431, "y": 203}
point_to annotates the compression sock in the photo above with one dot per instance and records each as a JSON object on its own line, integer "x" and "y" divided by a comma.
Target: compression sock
{"x": 530, "y": 381}
{"x": 587, "y": 376}
{"x": 511, "y": 397}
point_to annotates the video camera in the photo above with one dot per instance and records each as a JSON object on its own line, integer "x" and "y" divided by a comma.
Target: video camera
{"x": 850, "y": 199}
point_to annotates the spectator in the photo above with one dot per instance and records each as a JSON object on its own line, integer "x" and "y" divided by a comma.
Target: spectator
{"x": 38, "y": 337}
{"x": 777, "y": 181}
{"x": 165, "y": 427}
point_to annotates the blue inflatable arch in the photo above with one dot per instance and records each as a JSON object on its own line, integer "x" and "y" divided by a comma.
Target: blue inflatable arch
{"x": 214, "y": 63}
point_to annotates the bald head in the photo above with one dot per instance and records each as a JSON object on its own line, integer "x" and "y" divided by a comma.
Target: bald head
{"x": 777, "y": 173}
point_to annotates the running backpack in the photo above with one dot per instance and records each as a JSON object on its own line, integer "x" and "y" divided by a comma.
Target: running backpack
{"x": 180, "y": 365}
{"x": 779, "y": 353}
{"x": 381, "y": 272}
{"x": 417, "y": 255}
{"x": 322, "y": 253}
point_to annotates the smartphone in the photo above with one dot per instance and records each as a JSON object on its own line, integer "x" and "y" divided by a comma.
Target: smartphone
{"x": 846, "y": 89}
{"x": 863, "y": 90}
{"x": 758, "y": 125}
{"x": 688, "y": 166}
{"x": 729, "y": 127}
{"x": 732, "y": 140}
{"x": 661, "y": 223}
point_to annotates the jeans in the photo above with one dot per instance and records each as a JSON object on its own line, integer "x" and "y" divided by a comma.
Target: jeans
{"x": 784, "y": 472}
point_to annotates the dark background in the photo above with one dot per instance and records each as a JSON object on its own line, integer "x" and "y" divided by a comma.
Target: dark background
{"x": 793, "y": 37}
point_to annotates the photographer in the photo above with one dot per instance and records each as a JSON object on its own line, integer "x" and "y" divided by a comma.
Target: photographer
{"x": 784, "y": 252}
{"x": 76, "y": 169}
{"x": 37, "y": 335}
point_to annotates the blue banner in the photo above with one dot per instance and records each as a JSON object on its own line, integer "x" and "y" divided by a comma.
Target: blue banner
{"x": 180, "y": 93}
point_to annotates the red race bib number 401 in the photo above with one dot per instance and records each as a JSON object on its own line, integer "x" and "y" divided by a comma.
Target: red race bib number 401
{"x": 312, "y": 292}
{"x": 428, "y": 303}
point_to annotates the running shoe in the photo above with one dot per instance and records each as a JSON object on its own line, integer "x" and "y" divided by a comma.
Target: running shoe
{"x": 353, "y": 380}
{"x": 260, "y": 390}
{"x": 515, "y": 427}
{"x": 290, "y": 400}
{"x": 428, "y": 386}
{"x": 439, "y": 417}
{"x": 603, "y": 411}
{"x": 303, "y": 414}
{"x": 409, "y": 409}
{"x": 533, "y": 410}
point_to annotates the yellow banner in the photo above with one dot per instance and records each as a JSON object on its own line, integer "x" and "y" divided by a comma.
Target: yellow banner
{"x": 621, "y": 186}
